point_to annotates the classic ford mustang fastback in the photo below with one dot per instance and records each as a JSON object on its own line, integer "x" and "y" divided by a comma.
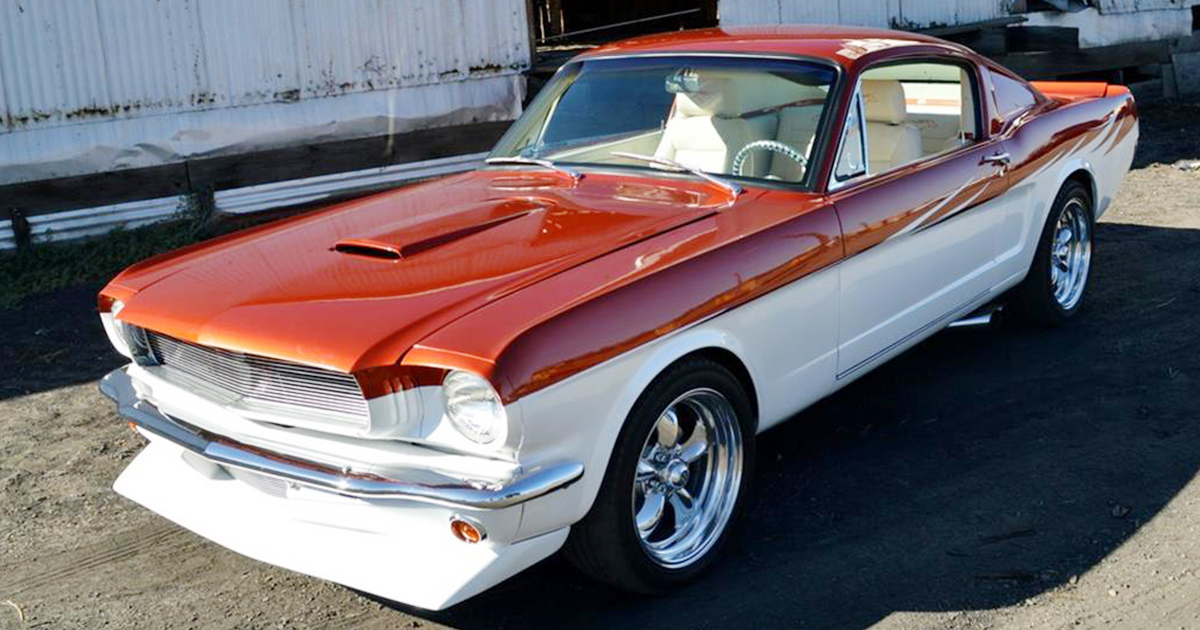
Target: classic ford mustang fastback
{"x": 685, "y": 240}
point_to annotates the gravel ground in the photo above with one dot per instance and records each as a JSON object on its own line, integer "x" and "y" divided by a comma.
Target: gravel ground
{"x": 1000, "y": 478}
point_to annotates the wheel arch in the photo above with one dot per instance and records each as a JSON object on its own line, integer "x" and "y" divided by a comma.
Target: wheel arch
{"x": 623, "y": 380}
{"x": 1079, "y": 170}
{"x": 1084, "y": 177}
{"x": 734, "y": 364}
{"x": 717, "y": 345}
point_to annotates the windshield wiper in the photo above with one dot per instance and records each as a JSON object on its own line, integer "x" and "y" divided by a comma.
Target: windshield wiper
{"x": 516, "y": 159}
{"x": 733, "y": 189}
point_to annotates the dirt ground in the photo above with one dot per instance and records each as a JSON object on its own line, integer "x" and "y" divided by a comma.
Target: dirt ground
{"x": 998, "y": 478}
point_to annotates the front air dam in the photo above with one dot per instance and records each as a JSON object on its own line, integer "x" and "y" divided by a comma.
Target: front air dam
{"x": 398, "y": 550}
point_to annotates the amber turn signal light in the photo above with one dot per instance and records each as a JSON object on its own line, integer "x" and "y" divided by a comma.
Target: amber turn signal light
{"x": 466, "y": 531}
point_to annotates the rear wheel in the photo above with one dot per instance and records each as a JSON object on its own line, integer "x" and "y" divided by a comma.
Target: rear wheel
{"x": 675, "y": 484}
{"x": 1054, "y": 289}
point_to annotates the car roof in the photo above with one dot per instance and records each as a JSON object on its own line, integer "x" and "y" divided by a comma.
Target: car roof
{"x": 843, "y": 45}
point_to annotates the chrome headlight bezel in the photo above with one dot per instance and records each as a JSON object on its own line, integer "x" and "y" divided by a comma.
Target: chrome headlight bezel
{"x": 474, "y": 408}
{"x": 128, "y": 340}
{"x": 116, "y": 330}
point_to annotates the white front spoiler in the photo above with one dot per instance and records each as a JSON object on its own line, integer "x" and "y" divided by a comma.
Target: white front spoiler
{"x": 398, "y": 550}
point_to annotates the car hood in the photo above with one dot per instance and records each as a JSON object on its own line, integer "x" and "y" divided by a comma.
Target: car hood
{"x": 356, "y": 285}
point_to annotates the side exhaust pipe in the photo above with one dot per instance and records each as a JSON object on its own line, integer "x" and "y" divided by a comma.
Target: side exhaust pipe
{"x": 982, "y": 317}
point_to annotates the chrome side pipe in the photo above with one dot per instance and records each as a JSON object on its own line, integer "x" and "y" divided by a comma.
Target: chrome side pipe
{"x": 981, "y": 317}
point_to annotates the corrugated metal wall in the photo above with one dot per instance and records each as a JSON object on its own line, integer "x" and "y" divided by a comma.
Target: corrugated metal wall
{"x": 1133, "y": 6}
{"x": 877, "y": 13}
{"x": 64, "y": 62}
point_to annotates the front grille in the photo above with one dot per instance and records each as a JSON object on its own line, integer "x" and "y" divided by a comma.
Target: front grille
{"x": 262, "y": 380}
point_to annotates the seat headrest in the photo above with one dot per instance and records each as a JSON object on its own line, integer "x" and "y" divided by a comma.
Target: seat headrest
{"x": 712, "y": 97}
{"x": 884, "y": 101}
{"x": 967, "y": 122}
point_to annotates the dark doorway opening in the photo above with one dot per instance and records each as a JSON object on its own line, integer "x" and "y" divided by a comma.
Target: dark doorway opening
{"x": 566, "y": 22}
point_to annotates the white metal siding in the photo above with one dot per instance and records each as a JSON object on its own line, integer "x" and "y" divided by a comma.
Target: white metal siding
{"x": 877, "y": 13}
{"x": 64, "y": 62}
{"x": 1133, "y": 6}
{"x": 925, "y": 13}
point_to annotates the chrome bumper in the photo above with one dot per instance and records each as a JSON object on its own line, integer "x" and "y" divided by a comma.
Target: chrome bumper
{"x": 420, "y": 485}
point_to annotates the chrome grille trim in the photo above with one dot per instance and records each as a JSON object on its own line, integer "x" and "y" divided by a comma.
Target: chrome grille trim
{"x": 257, "y": 379}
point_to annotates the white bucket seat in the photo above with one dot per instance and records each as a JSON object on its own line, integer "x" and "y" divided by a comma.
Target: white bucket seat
{"x": 891, "y": 140}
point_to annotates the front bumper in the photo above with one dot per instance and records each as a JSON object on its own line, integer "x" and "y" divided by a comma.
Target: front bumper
{"x": 389, "y": 536}
{"x": 412, "y": 484}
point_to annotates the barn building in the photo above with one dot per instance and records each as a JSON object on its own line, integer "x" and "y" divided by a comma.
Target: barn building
{"x": 154, "y": 105}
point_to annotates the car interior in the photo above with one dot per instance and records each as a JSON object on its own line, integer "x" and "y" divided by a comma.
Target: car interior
{"x": 722, "y": 113}
{"x": 916, "y": 110}
{"x": 912, "y": 111}
{"x": 715, "y": 113}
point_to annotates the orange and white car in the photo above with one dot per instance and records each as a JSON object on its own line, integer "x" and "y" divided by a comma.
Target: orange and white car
{"x": 685, "y": 240}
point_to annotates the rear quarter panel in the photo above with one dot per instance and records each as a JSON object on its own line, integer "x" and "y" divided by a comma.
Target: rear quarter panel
{"x": 1061, "y": 139}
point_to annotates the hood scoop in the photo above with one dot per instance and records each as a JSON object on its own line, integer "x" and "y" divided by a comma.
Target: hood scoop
{"x": 382, "y": 249}
{"x": 367, "y": 248}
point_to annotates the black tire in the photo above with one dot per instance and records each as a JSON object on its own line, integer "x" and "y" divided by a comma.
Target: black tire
{"x": 1033, "y": 300}
{"x": 605, "y": 545}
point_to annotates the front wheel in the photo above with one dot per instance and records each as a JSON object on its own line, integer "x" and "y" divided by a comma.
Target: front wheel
{"x": 675, "y": 484}
{"x": 1054, "y": 289}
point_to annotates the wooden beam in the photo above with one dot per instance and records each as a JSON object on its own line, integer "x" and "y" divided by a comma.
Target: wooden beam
{"x": 1039, "y": 38}
{"x": 988, "y": 41}
{"x": 1055, "y": 63}
{"x": 942, "y": 31}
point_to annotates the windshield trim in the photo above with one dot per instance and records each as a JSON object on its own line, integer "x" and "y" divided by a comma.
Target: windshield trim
{"x": 828, "y": 113}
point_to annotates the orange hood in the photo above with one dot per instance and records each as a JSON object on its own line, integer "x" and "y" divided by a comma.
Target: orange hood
{"x": 356, "y": 285}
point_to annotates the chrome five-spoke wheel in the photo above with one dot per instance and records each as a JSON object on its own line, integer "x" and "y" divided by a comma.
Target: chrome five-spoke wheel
{"x": 688, "y": 477}
{"x": 1071, "y": 254}
{"x": 679, "y": 474}
{"x": 1055, "y": 287}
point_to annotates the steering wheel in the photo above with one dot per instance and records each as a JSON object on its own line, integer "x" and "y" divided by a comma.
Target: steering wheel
{"x": 773, "y": 146}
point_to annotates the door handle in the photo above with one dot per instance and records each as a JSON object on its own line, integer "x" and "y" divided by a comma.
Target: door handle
{"x": 999, "y": 158}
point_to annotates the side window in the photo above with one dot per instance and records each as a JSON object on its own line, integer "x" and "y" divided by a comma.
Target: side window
{"x": 914, "y": 110}
{"x": 1012, "y": 96}
{"x": 851, "y": 162}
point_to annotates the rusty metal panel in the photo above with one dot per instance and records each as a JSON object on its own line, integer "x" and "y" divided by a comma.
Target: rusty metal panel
{"x": 250, "y": 52}
{"x": 148, "y": 56}
{"x": 97, "y": 85}
{"x": 65, "y": 62}
{"x": 52, "y": 62}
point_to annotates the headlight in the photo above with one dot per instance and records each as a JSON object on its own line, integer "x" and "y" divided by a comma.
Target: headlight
{"x": 474, "y": 408}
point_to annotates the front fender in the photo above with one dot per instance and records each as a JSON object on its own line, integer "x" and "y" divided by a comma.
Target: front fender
{"x": 583, "y": 416}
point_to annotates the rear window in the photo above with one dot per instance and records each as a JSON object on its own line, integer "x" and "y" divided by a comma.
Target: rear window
{"x": 1012, "y": 96}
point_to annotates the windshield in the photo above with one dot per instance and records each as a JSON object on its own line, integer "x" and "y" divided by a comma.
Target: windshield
{"x": 737, "y": 117}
